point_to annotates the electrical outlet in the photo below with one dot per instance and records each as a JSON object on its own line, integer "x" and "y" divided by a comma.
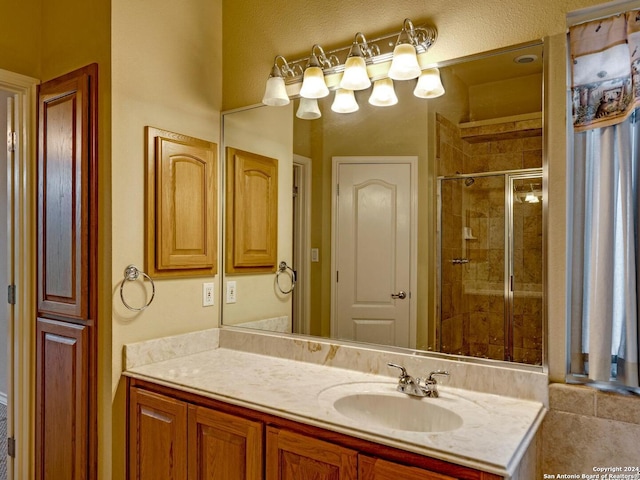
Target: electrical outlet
{"x": 231, "y": 291}
{"x": 207, "y": 294}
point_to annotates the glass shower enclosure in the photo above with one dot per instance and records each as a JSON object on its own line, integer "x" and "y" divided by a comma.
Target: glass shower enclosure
{"x": 490, "y": 265}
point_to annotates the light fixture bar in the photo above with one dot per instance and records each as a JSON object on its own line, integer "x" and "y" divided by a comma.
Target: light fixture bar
{"x": 425, "y": 37}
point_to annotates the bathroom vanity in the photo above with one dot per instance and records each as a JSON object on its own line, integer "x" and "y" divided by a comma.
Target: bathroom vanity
{"x": 205, "y": 405}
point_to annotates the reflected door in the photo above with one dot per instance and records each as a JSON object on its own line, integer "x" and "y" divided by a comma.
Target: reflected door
{"x": 373, "y": 253}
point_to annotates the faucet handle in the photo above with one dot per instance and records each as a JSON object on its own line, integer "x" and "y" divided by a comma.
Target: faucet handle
{"x": 403, "y": 371}
{"x": 430, "y": 378}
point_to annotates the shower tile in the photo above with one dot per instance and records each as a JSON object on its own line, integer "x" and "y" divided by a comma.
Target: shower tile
{"x": 532, "y": 143}
{"x": 476, "y": 148}
{"x": 505, "y": 161}
{"x": 532, "y": 159}
{"x": 496, "y": 352}
{"x": 496, "y": 232}
{"x": 507, "y": 146}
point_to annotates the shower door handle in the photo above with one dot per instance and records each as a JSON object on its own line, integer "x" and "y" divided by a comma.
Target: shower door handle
{"x": 401, "y": 295}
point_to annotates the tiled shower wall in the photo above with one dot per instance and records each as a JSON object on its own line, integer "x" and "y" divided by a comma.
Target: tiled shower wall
{"x": 472, "y": 304}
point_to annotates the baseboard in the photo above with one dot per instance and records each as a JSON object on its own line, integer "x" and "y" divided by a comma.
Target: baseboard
{"x": 3, "y": 398}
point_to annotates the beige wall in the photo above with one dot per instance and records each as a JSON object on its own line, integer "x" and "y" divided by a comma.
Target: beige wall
{"x": 161, "y": 63}
{"x": 165, "y": 73}
{"x": 268, "y": 132}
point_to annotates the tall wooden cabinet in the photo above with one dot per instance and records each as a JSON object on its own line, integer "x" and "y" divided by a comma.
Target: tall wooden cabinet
{"x": 65, "y": 430}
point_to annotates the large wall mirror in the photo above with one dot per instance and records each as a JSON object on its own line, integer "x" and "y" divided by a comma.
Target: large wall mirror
{"x": 417, "y": 225}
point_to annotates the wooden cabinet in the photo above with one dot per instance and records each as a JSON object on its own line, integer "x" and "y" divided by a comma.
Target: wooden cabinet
{"x": 157, "y": 437}
{"x": 67, "y": 277}
{"x": 223, "y": 446}
{"x": 252, "y": 213}
{"x": 377, "y": 469}
{"x": 291, "y": 456}
{"x": 171, "y": 439}
{"x": 213, "y": 440}
{"x": 61, "y": 395}
{"x": 181, "y": 207}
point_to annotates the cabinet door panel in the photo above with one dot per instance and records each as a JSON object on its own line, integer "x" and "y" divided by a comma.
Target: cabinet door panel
{"x": 252, "y": 212}
{"x": 376, "y": 469}
{"x": 64, "y": 155}
{"x": 181, "y": 207}
{"x": 223, "y": 447}
{"x": 61, "y": 399}
{"x": 157, "y": 437}
{"x": 291, "y": 456}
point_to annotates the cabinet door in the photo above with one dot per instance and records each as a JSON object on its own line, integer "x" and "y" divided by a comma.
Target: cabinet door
{"x": 291, "y": 456}
{"x": 61, "y": 399}
{"x": 223, "y": 446}
{"x": 181, "y": 207}
{"x": 376, "y": 469}
{"x": 157, "y": 437}
{"x": 252, "y": 212}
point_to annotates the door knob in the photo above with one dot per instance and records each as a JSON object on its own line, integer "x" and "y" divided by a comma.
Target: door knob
{"x": 401, "y": 295}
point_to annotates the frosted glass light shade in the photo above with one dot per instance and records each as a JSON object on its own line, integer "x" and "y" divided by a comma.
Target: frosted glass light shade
{"x": 313, "y": 85}
{"x": 404, "y": 65}
{"x": 429, "y": 84}
{"x": 275, "y": 94}
{"x": 383, "y": 94}
{"x": 344, "y": 101}
{"x": 308, "y": 109}
{"x": 355, "y": 75}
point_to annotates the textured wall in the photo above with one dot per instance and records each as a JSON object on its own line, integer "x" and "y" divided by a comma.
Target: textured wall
{"x": 255, "y": 31}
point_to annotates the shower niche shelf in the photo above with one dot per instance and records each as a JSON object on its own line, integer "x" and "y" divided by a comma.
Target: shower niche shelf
{"x": 503, "y": 128}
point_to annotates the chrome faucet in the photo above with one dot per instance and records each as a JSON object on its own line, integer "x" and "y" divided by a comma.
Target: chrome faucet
{"x": 431, "y": 384}
{"x": 411, "y": 386}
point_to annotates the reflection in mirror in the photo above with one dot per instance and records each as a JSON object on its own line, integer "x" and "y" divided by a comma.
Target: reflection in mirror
{"x": 417, "y": 225}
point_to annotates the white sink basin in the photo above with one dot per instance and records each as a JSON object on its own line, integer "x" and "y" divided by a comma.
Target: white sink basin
{"x": 380, "y": 405}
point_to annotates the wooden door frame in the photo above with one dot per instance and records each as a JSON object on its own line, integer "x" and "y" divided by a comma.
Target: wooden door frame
{"x": 22, "y": 208}
{"x": 413, "y": 234}
{"x": 303, "y": 287}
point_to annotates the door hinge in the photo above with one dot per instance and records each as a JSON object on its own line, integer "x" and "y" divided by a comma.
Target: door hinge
{"x": 11, "y": 447}
{"x": 12, "y": 139}
{"x": 337, "y": 276}
{"x": 338, "y": 189}
{"x": 11, "y": 294}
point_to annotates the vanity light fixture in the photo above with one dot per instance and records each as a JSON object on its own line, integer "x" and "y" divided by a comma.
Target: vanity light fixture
{"x": 313, "y": 84}
{"x": 404, "y": 65}
{"x": 308, "y": 109}
{"x": 379, "y": 61}
{"x": 344, "y": 101}
{"x": 429, "y": 84}
{"x": 275, "y": 93}
{"x": 383, "y": 94}
{"x": 355, "y": 76}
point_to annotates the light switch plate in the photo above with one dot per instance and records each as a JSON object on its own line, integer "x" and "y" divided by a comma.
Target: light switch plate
{"x": 231, "y": 291}
{"x": 207, "y": 294}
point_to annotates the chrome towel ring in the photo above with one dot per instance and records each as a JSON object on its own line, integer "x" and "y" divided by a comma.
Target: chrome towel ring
{"x": 131, "y": 273}
{"x": 283, "y": 267}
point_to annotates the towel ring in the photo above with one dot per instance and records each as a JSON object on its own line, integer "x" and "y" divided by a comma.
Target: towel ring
{"x": 283, "y": 267}
{"x": 131, "y": 273}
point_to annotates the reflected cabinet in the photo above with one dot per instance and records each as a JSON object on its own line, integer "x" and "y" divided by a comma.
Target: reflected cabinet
{"x": 252, "y": 212}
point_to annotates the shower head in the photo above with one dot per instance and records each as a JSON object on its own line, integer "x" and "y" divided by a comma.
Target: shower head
{"x": 469, "y": 181}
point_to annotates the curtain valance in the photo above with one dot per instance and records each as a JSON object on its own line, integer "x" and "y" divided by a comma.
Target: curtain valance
{"x": 605, "y": 64}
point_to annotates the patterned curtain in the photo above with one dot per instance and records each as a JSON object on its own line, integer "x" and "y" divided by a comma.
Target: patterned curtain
{"x": 605, "y": 56}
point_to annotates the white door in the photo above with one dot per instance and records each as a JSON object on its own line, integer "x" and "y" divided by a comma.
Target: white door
{"x": 373, "y": 250}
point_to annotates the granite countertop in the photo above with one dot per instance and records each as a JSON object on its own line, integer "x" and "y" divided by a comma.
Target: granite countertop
{"x": 495, "y": 433}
